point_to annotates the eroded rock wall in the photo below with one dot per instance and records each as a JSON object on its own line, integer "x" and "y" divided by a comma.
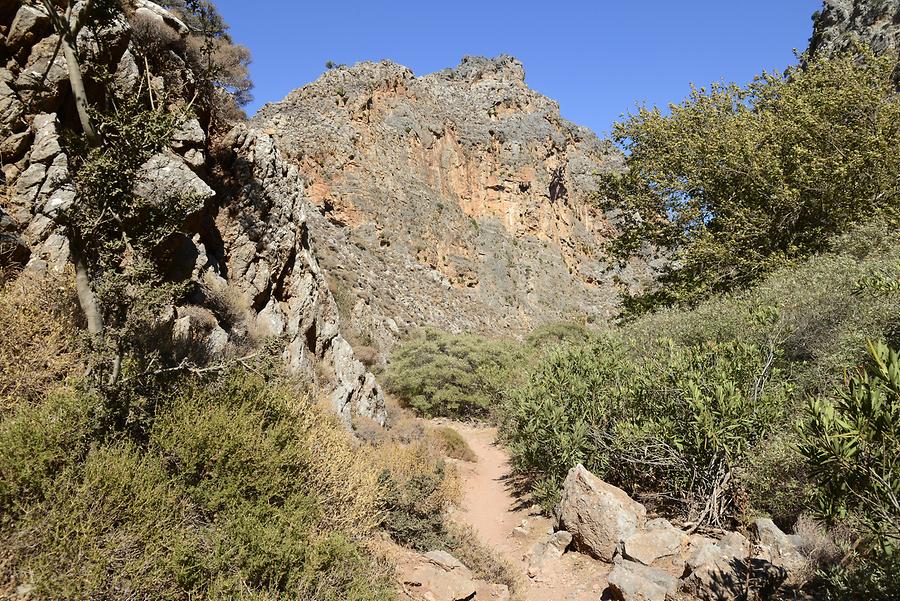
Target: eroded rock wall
{"x": 460, "y": 199}
{"x": 249, "y": 238}
{"x": 843, "y": 22}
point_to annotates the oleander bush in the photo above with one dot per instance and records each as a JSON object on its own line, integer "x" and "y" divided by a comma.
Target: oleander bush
{"x": 695, "y": 409}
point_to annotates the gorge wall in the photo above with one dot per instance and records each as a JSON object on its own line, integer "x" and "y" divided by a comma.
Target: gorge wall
{"x": 460, "y": 199}
{"x": 843, "y": 22}
{"x": 246, "y": 246}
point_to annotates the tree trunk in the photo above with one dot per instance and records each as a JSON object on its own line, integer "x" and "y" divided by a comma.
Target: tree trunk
{"x": 81, "y": 100}
{"x": 86, "y": 298}
{"x": 67, "y": 33}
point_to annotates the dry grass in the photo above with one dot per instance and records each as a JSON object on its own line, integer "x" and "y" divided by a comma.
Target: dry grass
{"x": 485, "y": 563}
{"x": 348, "y": 474}
{"x": 38, "y": 318}
{"x": 452, "y": 444}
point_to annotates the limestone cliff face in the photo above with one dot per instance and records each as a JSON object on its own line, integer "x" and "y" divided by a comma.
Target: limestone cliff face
{"x": 249, "y": 240}
{"x": 841, "y": 22}
{"x": 459, "y": 199}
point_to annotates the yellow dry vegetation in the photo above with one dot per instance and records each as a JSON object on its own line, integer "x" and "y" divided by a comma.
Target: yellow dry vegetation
{"x": 37, "y": 335}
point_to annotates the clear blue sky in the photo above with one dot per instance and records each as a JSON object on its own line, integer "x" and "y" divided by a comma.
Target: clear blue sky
{"x": 596, "y": 58}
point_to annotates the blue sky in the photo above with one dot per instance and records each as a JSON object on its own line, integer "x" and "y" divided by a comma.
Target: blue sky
{"x": 597, "y": 59}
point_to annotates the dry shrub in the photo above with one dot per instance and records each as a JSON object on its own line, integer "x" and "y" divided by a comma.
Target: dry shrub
{"x": 151, "y": 37}
{"x": 485, "y": 563}
{"x": 452, "y": 444}
{"x": 38, "y": 316}
{"x": 367, "y": 354}
{"x": 822, "y": 548}
{"x": 418, "y": 487}
{"x": 232, "y": 310}
{"x": 346, "y": 473}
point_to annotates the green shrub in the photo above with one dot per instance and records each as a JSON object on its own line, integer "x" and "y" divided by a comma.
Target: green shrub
{"x": 239, "y": 489}
{"x": 815, "y": 312}
{"x": 738, "y": 181}
{"x": 453, "y": 375}
{"x": 672, "y": 422}
{"x": 452, "y": 444}
{"x": 852, "y": 446}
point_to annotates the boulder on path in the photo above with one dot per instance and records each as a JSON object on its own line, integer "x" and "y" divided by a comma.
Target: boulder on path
{"x": 631, "y": 581}
{"x": 599, "y": 515}
{"x": 657, "y": 540}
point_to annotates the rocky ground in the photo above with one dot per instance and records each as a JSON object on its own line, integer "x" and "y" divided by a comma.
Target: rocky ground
{"x": 600, "y": 544}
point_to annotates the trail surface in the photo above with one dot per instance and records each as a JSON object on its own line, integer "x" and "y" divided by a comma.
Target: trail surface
{"x": 490, "y": 507}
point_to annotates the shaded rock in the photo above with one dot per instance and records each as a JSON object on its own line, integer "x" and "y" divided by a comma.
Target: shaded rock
{"x": 779, "y": 548}
{"x": 630, "y": 581}
{"x": 25, "y": 191}
{"x": 43, "y": 93}
{"x": 13, "y": 248}
{"x": 14, "y": 146}
{"x": 599, "y": 515}
{"x": 722, "y": 570}
{"x": 127, "y": 75}
{"x": 659, "y": 539}
{"x": 727, "y": 580}
{"x": 12, "y": 111}
{"x": 29, "y": 24}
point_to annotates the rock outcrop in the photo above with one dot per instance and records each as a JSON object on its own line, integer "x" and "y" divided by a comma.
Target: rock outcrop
{"x": 654, "y": 561}
{"x": 248, "y": 238}
{"x": 438, "y": 576}
{"x": 459, "y": 199}
{"x": 840, "y": 23}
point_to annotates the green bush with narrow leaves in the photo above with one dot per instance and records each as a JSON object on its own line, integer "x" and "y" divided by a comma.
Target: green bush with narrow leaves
{"x": 851, "y": 444}
{"x": 670, "y": 423}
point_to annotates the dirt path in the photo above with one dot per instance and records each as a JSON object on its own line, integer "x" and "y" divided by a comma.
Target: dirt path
{"x": 491, "y": 509}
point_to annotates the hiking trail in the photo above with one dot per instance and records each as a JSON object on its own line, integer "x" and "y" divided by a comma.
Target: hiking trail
{"x": 491, "y": 508}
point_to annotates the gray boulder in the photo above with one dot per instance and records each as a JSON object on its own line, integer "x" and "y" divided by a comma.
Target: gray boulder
{"x": 659, "y": 539}
{"x": 780, "y": 549}
{"x": 630, "y": 581}
{"x": 29, "y": 24}
{"x": 599, "y": 515}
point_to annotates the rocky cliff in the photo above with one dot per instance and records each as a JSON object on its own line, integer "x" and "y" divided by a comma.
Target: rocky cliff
{"x": 842, "y": 22}
{"x": 460, "y": 199}
{"x": 248, "y": 246}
